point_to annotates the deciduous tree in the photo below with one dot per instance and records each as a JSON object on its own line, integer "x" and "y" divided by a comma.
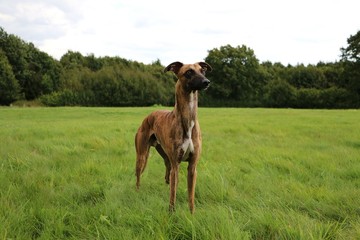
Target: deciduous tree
{"x": 9, "y": 87}
{"x": 236, "y": 74}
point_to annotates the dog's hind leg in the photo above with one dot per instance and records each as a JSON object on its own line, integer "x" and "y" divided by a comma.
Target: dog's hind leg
{"x": 162, "y": 153}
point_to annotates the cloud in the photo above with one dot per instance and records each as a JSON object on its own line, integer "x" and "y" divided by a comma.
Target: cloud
{"x": 6, "y": 17}
{"x": 286, "y": 31}
{"x": 37, "y": 20}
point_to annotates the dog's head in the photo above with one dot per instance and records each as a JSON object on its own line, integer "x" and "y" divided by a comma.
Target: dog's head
{"x": 191, "y": 76}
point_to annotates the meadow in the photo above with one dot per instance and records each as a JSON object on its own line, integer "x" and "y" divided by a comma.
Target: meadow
{"x": 68, "y": 173}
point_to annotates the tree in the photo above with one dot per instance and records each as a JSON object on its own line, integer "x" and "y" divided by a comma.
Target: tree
{"x": 42, "y": 73}
{"x": 36, "y": 72}
{"x": 352, "y": 51}
{"x": 93, "y": 63}
{"x": 236, "y": 75}
{"x": 306, "y": 77}
{"x": 351, "y": 62}
{"x": 72, "y": 60}
{"x": 9, "y": 87}
{"x": 15, "y": 50}
{"x": 279, "y": 93}
{"x": 332, "y": 73}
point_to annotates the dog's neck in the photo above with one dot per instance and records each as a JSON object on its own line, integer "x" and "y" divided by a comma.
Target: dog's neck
{"x": 186, "y": 104}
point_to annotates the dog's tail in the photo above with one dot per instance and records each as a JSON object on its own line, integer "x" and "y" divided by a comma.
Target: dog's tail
{"x": 142, "y": 146}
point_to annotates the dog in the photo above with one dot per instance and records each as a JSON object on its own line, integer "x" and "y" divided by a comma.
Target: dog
{"x": 175, "y": 134}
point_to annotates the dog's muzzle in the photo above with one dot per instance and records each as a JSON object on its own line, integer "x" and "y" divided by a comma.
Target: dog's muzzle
{"x": 205, "y": 83}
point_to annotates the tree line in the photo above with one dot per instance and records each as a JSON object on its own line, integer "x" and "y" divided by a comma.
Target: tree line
{"x": 238, "y": 79}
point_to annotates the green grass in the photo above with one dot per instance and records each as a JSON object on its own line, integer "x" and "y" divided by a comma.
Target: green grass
{"x": 264, "y": 174}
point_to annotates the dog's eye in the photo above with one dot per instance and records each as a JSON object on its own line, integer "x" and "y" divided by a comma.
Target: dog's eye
{"x": 189, "y": 73}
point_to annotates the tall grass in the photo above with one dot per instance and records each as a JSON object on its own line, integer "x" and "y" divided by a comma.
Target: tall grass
{"x": 263, "y": 174}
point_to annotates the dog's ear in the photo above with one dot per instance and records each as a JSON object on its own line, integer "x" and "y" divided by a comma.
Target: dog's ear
{"x": 205, "y": 66}
{"x": 175, "y": 67}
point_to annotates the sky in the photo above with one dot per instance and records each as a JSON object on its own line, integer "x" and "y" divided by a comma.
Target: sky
{"x": 290, "y": 32}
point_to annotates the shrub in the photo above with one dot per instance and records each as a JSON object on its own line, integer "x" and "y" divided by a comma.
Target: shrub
{"x": 279, "y": 93}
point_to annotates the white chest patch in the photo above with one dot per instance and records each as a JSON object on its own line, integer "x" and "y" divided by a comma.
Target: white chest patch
{"x": 188, "y": 145}
{"x": 191, "y": 102}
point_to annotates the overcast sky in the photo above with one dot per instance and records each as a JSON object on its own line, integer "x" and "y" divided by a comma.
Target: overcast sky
{"x": 298, "y": 31}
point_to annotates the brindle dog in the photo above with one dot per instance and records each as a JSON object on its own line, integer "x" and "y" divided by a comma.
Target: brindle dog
{"x": 175, "y": 134}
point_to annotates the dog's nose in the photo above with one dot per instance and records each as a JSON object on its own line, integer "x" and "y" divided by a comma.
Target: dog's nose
{"x": 206, "y": 82}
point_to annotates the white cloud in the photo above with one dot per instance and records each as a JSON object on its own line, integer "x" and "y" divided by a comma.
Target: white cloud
{"x": 293, "y": 32}
{"x": 6, "y": 17}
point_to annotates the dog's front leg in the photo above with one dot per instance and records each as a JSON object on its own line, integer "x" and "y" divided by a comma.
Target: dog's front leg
{"x": 191, "y": 182}
{"x": 174, "y": 172}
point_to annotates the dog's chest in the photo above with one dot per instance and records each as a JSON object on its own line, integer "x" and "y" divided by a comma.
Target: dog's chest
{"x": 188, "y": 145}
{"x": 191, "y": 102}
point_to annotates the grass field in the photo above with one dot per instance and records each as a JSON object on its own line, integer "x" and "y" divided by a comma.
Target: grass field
{"x": 263, "y": 174}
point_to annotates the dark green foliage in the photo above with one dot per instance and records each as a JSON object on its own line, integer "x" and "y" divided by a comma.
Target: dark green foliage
{"x": 114, "y": 85}
{"x": 306, "y": 77}
{"x": 351, "y": 63}
{"x": 15, "y": 51}
{"x": 42, "y": 74}
{"x": 352, "y": 51}
{"x": 35, "y": 71}
{"x": 9, "y": 87}
{"x": 238, "y": 79}
{"x": 236, "y": 74}
{"x": 279, "y": 93}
